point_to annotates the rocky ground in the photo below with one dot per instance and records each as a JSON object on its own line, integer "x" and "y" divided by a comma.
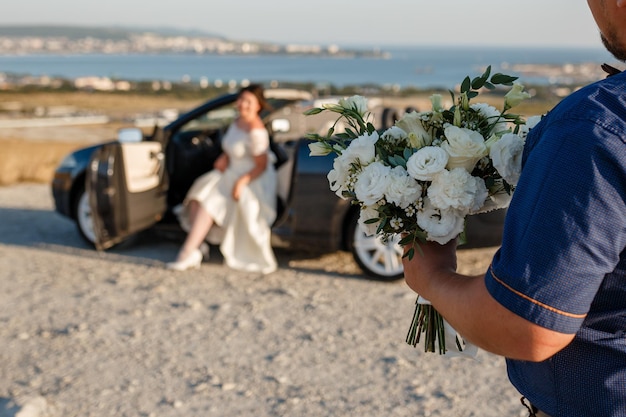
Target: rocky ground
{"x": 114, "y": 334}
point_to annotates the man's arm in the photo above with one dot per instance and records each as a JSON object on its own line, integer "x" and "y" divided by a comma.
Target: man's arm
{"x": 467, "y": 305}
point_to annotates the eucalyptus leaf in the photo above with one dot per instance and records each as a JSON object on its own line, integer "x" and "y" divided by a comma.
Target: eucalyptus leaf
{"x": 406, "y": 240}
{"x": 397, "y": 160}
{"x": 383, "y": 154}
{"x": 465, "y": 86}
{"x": 478, "y": 82}
{"x": 503, "y": 79}
{"x": 409, "y": 254}
{"x": 485, "y": 75}
{"x": 383, "y": 223}
{"x": 448, "y": 115}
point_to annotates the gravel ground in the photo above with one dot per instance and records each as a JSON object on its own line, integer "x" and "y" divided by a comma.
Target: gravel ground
{"x": 114, "y": 334}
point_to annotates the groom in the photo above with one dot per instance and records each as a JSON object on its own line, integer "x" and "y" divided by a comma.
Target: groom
{"x": 553, "y": 301}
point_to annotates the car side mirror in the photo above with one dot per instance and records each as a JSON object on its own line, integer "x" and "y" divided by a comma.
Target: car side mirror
{"x": 281, "y": 126}
{"x": 129, "y": 135}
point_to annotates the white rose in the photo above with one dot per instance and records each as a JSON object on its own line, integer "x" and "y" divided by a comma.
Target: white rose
{"x": 338, "y": 176}
{"x": 427, "y": 162}
{"x": 441, "y": 226}
{"x": 492, "y": 115}
{"x": 361, "y": 150}
{"x": 372, "y": 183}
{"x": 411, "y": 123}
{"x": 458, "y": 190}
{"x": 356, "y": 103}
{"x": 464, "y": 146}
{"x": 336, "y": 182}
{"x": 367, "y": 213}
{"x": 506, "y": 155}
{"x": 402, "y": 189}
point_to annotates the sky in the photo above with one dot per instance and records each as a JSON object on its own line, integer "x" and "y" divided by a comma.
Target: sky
{"x": 566, "y": 23}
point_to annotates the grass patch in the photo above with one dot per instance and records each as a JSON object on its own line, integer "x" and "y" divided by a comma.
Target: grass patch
{"x": 31, "y": 161}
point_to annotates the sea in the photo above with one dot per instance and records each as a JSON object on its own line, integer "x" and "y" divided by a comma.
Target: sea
{"x": 402, "y": 67}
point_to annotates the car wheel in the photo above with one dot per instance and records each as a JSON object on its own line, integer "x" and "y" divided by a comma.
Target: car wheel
{"x": 84, "y": 219}
{"x": 389, "y": 117}
{"x": 378, "y": 259}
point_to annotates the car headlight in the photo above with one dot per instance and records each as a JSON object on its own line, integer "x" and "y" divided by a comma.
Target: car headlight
{"x": 68, "y": 162}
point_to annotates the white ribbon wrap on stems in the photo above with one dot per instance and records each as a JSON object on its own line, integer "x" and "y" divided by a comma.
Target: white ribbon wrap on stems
{"x": 452, "y": 350}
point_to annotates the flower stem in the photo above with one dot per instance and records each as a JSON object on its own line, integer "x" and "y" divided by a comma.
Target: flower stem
{"x": 427, "y": 320}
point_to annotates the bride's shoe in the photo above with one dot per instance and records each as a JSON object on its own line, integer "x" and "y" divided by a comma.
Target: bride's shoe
{"x": 193, "y": 260}
{"x": 205, "y": 249}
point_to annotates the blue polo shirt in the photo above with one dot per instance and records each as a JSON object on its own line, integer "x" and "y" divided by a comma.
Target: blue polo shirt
{"x": 562, "y": 264}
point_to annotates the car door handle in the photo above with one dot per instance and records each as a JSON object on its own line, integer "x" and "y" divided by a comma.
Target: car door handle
{"x": 157, "y": 155}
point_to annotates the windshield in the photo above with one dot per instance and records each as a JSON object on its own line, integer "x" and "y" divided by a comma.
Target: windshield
{"x": 213, "y": 120}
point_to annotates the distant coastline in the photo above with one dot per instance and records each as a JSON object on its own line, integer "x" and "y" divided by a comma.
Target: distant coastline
{"x": 116, "y": 58}
{"x": 62, "y": 40}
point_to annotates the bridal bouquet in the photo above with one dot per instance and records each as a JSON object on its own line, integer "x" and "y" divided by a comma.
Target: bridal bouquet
{"x": 423, "y": 176}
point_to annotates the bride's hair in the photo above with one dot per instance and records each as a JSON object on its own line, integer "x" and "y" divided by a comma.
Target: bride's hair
{"x": 259, "y": 93}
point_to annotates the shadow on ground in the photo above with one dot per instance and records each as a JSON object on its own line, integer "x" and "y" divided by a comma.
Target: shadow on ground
{"x": 48, "y": 230}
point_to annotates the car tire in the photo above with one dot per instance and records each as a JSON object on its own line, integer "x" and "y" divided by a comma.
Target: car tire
{"x": 379, "y": 260}
{"x": 84, "y": 219}
{"x": 389, "y": 118}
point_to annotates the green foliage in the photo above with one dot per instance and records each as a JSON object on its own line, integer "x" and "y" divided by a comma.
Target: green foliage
{"x": 470, "y": 86}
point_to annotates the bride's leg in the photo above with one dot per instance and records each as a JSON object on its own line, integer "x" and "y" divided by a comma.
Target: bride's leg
{"x": 201, "y": 221}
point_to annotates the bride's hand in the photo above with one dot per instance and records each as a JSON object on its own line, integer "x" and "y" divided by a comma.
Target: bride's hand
{"x": 239, "y": 186}
{"x": 221, "y": 163}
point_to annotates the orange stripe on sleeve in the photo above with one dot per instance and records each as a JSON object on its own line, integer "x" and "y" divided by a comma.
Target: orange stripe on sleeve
{"x": 524, "y": 296}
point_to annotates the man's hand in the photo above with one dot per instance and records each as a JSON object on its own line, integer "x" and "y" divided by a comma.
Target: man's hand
{"x": 467, "y": 305}
{"x": 430, "y": 260}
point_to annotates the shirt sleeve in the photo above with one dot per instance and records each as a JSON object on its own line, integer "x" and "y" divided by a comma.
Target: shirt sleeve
{"x": 259, "y": 141}
{"x": 566, "y": 226}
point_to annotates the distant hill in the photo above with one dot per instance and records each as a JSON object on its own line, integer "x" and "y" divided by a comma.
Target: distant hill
{"x": 74, "y": 39}
{"x": 79, "y": 32}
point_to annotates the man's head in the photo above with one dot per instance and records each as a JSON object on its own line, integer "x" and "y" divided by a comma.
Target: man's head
{"x": 610, "y": 16}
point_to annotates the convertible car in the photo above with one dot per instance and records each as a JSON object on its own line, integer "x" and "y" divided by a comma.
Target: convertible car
{"x": 119, "y": 188}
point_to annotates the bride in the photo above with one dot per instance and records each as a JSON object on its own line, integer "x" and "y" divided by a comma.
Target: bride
{"x": 238, "y": 196}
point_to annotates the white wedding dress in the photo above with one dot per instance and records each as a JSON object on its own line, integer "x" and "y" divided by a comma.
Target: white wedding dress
{"x": 242, "y": 228}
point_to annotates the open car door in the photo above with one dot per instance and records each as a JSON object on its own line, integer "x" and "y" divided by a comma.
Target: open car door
{"x": 127, "y": 188}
